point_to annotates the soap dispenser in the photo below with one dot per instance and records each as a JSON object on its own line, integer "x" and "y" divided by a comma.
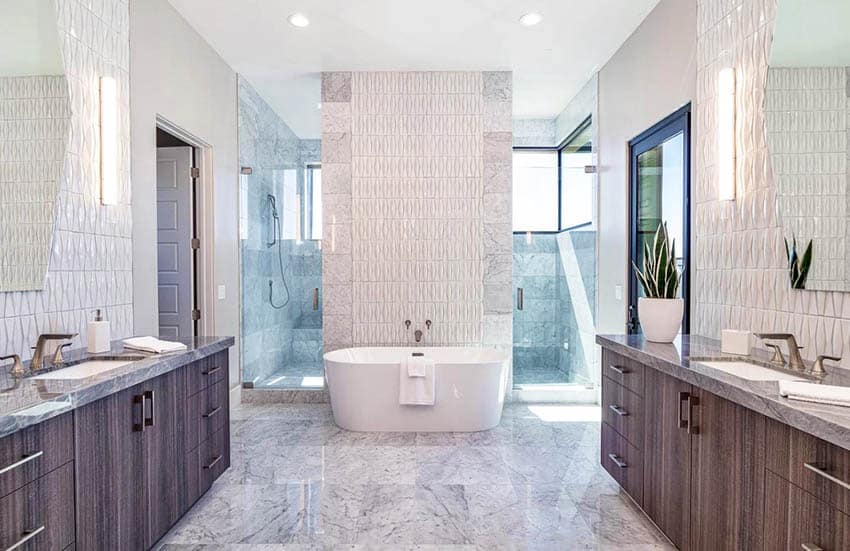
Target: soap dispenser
{"x": 98, "y": 334}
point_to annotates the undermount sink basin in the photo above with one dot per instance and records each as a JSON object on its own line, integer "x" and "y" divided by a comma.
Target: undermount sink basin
{"x": 83, "y": 370}
{"x": 751, "y": 371}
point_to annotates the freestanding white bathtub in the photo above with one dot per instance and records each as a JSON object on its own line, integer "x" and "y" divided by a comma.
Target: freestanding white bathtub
{"x": 469, "y": 394}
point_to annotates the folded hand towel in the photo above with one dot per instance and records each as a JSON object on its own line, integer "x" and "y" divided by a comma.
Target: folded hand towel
{"x": 416, "y": 366}
{"x": 151, "y": 344}
{"x": 416, "y": 390}
{"x": 811, "y": 392}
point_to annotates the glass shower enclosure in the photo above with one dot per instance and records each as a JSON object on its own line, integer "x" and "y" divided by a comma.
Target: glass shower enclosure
{"x": 280, "y": 224}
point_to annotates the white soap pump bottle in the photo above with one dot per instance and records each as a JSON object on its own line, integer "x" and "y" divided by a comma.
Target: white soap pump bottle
{"x": 98, "y": 335}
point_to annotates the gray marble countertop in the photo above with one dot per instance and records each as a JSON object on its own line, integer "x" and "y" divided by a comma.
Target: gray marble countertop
{"x": 830, "y": 423}
{"x": 28, "y": 401}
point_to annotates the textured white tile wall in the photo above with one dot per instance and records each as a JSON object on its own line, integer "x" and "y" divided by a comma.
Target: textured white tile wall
{"x": 740, "y": 278}
{"x": 806, "y": 114}
{"x": 416, "y": 172}
{"x": 91, "y": 258}
{"x": 34, "y": 117}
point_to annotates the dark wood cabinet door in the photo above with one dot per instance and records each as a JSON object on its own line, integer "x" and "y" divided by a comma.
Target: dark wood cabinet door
{"x": 110, "y": 473}
{"x": 164, "y": 454}
{"x": 667, "y": 456}
{"x": 727, "y": 475}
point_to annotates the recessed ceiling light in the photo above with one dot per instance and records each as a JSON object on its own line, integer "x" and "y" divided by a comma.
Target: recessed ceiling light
{"x": 531, "y": 19}
{"x": 298, "y": 20}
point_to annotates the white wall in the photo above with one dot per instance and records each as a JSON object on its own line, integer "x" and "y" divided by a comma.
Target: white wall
{"x": 177, "y": 75}
{"x": 650, "y": 76}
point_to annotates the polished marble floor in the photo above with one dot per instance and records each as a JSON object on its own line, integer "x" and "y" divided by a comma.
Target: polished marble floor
{"x": 297, "y": 482}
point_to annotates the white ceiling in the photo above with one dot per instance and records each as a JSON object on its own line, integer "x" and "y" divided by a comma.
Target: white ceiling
{"x": 551, "y": 61}
{"x": 811, "y": 34}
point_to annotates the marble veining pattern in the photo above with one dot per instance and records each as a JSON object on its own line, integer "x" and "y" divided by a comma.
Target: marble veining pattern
{"x": 299, "y": 482}
{"x": 830, "y": 423}
{"x": 30, "y": 401}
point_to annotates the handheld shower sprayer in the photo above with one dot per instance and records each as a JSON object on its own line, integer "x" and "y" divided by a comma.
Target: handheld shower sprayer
{"x": 272, "y": 201}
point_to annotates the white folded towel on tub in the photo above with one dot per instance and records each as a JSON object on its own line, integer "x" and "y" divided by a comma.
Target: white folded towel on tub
{"x": 416, "y": 381}
{"x": 811, "y": 392}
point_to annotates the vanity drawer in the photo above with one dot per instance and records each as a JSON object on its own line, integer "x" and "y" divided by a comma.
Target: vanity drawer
{"x": 814, "y": 465}
{"x": 624, "y": 371}
{"x": 623, "y": 411}
{"x": 623, "y": 461}
{"x": 35, "y": 451}
{"x": 206, "y": 372}
{"x": 41, "y": 513}
{"x": 795, "y": 519}
{"x": 208, "y": 412}
{"x": 214, "y": 458}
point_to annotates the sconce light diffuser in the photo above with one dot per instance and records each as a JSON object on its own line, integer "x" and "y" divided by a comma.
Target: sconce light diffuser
{"x": 108, "y": 141}
{"x": 726, "y": 146}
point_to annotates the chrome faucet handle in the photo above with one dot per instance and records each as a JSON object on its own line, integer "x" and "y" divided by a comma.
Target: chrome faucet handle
{"x": 817, "y": 367}
{"x": 777, "y": 358}
{"x": 57, "y": 356}
{"x": 17, "y": 367}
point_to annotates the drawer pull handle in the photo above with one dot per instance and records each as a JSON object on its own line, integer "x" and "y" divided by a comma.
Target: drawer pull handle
{"x": 24, "y": 460}
{"x": 213, "y": 462}
{"x": 618, "y": 369}
{"x": 149, "y": 395}
{"x": 618, "y": 410}
{"x": 27, "y": 535}
{"x": 617, "y": 461}
{"x": 818, "y": 469}
{"x": 212, "y": 371}
{"x": 812, "y": 547}
{"x": 213, "y": 412}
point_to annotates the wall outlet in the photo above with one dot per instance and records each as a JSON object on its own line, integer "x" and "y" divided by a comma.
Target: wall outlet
{"x": 618, "y": 292}
{"x": 222, "y": 292}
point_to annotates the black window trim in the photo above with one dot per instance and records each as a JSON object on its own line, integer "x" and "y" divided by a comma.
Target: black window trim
{"x": 559, "y": 149}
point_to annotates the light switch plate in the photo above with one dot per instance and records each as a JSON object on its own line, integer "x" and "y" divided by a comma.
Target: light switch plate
{"x": 618, "y": 292}
{"x": 222, "y": 292}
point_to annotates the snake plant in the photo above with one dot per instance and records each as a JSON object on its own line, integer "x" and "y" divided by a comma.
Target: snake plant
{"x": 659, "y": 277}
{"x": 798, "y": 267}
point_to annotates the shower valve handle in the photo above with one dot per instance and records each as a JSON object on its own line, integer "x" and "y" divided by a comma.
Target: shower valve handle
{"x": 428, "y": 324}
{"x": 407, "y": 324}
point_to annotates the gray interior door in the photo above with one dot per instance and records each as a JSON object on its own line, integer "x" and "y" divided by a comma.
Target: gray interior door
{"x": 174, "y": 241}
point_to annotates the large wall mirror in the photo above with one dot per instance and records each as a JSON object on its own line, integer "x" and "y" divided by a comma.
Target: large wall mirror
{"x": 806, "y": 107}
{"x": 34, "y": 116}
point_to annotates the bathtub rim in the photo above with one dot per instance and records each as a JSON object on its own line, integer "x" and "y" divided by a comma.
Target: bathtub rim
{"x": 337, "y": 357}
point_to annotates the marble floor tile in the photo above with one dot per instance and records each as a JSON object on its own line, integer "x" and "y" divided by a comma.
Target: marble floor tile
{"x": 297, "y": 482}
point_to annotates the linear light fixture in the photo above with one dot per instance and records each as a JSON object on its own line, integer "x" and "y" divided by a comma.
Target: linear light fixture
{"x": 726, "y": 146}
{"x": 108, "y": 141}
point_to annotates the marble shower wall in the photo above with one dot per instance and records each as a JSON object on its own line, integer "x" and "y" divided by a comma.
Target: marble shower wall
{"x": 740, "y": 279}
{"x": 90, "y": 262}
{"x": 273, "y": 339}
{"x": 417, "y": 221}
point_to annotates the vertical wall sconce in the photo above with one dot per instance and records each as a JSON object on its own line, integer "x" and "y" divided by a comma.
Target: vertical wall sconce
{"x": 726, "y": 146}
{"x": 108, "y": 141}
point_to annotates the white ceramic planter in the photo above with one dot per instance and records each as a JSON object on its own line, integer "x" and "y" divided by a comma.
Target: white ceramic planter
{"x": 660, "y": 318}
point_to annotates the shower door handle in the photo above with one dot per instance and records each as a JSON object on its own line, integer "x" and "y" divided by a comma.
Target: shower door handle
{"x": 316, "y": 298}
{"x": 519, "y": 301}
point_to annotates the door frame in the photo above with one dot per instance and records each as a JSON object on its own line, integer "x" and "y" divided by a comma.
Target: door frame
{"x": 669, "y": 126}
{"x": 204, "y": 274}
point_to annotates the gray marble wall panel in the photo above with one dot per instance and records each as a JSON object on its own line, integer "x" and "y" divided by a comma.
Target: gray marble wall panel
{"x": 417, "y": 169}
{"x": 275, "y": 338}
{"x": 90, "y": 262}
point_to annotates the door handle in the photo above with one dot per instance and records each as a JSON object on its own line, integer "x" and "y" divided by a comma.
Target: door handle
{"x": 23, "y": 461}
{"x": 214, "y": 461}
{"x": 618, "y": 410}
{"x": 213, "y": 412}
{"x": 693, "y": 401}
{"x": 618, "y": 369}
{"x": 149, "y": 395}
{"x": 519, "y": 298}
{"x": 811, "y": 547}
{"x": 25, "y": 537}
{"x": 683, "y": 423}
{"x": 315, "y": 298}
{"x": 212, "y": 371}
{"x": 139, "y": 399}
{"x": 617, "y": 461}
{"x": 821, "y": 471}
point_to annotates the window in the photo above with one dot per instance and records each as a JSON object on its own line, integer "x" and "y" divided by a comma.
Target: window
{"x": 313, "y": 203}
{"x": 535, "y": 191}
{"x": 552, "y": 190}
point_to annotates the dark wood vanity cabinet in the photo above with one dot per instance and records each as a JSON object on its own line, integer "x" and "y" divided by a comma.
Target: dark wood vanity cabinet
{"x": 136, "y": 475}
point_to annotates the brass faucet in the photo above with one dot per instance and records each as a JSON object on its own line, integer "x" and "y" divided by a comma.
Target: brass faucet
{"x": 17, "y": 370}
{"x": 37, "y": 362}
{"x": 795, "y": 360}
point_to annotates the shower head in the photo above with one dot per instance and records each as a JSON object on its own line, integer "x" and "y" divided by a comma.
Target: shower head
{"x": 272, "y": 204}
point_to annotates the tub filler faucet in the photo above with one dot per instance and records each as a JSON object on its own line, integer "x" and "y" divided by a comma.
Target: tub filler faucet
{"x": 418, "y": 335}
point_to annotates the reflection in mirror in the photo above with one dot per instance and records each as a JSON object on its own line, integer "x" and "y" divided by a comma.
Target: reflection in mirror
{"x": 806, "y": 105}
{"x": 34, "y": 118}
